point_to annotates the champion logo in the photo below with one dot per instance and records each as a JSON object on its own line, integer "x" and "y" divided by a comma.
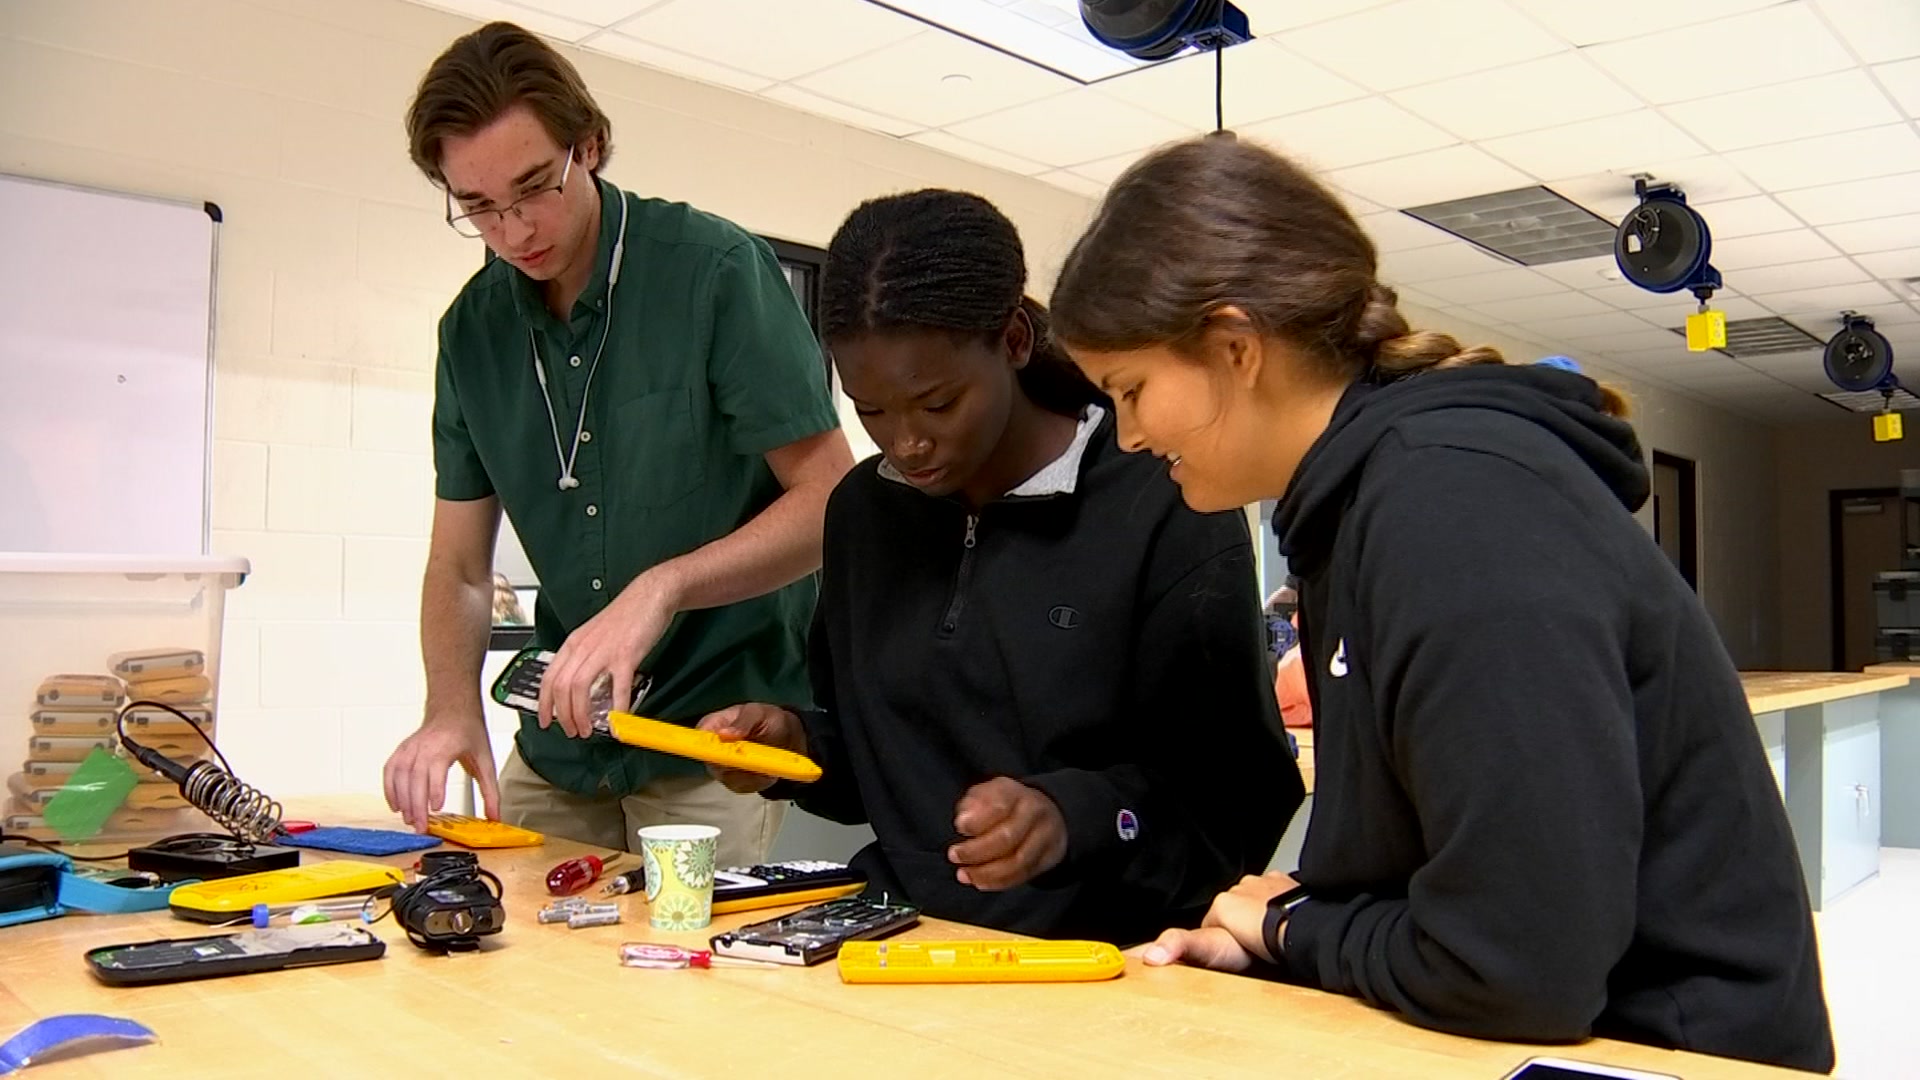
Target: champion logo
{"x": 1064, "y": 617}
{"x": 1127, "y": 825}
{"x": 1337, "y": 667}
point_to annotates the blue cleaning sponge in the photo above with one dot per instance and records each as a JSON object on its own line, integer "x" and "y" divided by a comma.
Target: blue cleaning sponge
{"x": 356, "y": 841}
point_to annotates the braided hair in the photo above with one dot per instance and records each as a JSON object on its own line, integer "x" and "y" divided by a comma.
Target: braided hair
{"x": 947, "y": 261}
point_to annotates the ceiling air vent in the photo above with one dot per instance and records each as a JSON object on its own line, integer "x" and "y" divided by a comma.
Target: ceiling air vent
{"x": 1530, "y": 226}
{"x": 1762, "y": 337}
{"x": 1872, "y": 401}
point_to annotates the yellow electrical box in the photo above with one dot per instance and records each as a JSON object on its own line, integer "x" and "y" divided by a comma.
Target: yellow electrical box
{"x": 1886, "y": 427}
{"x": 1706, "y": 330}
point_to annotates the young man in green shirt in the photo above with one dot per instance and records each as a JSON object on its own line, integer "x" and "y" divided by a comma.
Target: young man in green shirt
{"x": 633, "y": 382}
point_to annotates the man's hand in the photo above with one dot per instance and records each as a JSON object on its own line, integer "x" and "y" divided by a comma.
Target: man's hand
{"x": 610, "y": 645}
{"x": 1016, "y": 834}
{"x": 416, "y": 773}
{"x": 754, "y": 722}
{"x": 1230, "y": 938}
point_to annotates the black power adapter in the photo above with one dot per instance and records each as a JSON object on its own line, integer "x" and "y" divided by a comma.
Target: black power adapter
{"x": 452, "y": 906}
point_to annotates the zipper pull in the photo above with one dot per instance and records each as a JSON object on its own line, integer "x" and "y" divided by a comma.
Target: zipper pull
{"x": 973, "y": 521}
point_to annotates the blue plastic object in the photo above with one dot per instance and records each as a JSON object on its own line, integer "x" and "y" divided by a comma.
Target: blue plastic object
{"x": 70, "y": 1032}
{"x": 354, "y": 841}
{"x": 1564, "y": 363}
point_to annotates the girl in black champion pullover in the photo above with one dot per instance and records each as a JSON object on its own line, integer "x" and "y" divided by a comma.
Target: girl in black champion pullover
{"x": 1039, "y": 676}
{"x": 1542, "y": 810}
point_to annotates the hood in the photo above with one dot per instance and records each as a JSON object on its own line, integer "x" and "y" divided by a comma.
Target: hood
{"x": 1564, "y": 404}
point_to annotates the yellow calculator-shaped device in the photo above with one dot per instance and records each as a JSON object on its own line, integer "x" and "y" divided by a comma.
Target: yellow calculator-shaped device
{"x": 979, "y": 961}
{"x": 480, "y": 833}
{"x": 706, "y": 746}
{"x": 234, "y": 897}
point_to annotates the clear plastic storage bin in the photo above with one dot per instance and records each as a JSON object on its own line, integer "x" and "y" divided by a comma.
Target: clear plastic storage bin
{"x": 82, "y": 635}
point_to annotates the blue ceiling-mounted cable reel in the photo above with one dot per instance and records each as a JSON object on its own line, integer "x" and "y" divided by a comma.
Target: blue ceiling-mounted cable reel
{"x": 1663, "y": 245}
{"x": 1859, "y": 358}
{"x": 1157, "y": 29}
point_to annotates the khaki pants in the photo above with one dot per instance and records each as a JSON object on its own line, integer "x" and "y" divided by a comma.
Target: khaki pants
{"x": 747, "y": 823}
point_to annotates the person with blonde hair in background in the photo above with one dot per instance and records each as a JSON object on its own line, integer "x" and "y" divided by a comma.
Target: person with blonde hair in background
{"x": 1541, "y": 810}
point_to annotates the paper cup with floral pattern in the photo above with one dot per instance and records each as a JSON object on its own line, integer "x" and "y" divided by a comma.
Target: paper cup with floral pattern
{"x": 679, "y": 863}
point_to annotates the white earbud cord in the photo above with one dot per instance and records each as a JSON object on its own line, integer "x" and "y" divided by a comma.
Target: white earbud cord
{"x": 567, "y": 456}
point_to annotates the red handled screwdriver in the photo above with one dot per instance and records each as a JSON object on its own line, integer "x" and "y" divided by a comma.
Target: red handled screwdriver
{"x": 576, "y": 874}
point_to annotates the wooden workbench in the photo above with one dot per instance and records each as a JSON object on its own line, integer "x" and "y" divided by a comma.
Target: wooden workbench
{"x": 543, "y": 1001}
{"x": 1777, "y": 691}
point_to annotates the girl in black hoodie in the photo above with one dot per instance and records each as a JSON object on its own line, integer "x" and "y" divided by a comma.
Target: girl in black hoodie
{"x": 1039, "y": 676}
{"x": 1542, "y": 807}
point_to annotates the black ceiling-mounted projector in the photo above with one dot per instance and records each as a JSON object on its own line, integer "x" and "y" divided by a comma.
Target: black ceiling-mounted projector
{"x": 1663, "y": 244}
{"x": 1859, "y": 357}
{"x": 1158, "y": 29}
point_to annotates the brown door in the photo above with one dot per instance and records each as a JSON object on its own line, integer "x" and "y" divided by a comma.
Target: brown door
{"x": 1675, "y": 524}
{"x": 1869, "y": 542}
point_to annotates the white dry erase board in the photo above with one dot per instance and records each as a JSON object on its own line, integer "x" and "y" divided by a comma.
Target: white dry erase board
{"x": 106, "y": 370}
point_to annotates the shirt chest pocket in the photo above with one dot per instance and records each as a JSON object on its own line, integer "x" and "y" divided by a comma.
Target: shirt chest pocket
{"x": 665, "y": 452}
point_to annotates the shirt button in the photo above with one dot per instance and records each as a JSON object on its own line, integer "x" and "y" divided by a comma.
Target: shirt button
{"x": 586, "y": 436}
{"x": 592, "y": 510}
{"x": 596, "y": 584}
{"x": 573, "y": 361}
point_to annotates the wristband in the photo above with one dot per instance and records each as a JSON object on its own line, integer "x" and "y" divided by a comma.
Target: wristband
{"x": 1278, "y": 910}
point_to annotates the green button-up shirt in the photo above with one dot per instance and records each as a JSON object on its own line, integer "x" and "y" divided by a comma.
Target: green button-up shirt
{"x": 708, "y": 364}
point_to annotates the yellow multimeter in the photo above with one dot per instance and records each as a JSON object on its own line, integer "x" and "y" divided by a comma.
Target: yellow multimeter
{"x": 234, "y": 897}
{"x": 475, "y": 832}
{"x": 979, "y": 961}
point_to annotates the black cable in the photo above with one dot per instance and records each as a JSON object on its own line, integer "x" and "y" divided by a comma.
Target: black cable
{"x": 1219, "y": 89}
{"x": 404, "y": 904}
{"x": 54, "y": 846}
{"x": 120, "y": 728}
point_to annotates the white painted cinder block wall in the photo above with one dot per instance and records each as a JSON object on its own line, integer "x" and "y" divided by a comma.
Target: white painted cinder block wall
{"x": 335, "y": 266}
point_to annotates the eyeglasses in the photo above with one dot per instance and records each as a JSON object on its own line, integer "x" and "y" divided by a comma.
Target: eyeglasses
{"x": 481, "y": 222}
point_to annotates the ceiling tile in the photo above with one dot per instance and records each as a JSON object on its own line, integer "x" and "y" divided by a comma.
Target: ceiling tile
{"x": 1394, "y": 231}
{"x": 1647, "y": 339}
{"x": 780, "y": 40}
{"x": 1610, "y": 194}
{"x": 619, "y": 45}
{"x": 1832, "y": 159}
{"x": 1587, "y": 22}
{"x": 1582, "y": 327}
{"x": 1772, "y": 249}
{"x": 1582, "y": 273}
{"x": 1886, "y": 196}
{"x": 1371, "y": 129}
{"x": 1883, "y": 234}
{"x": 1832, "y": 298}
{"x": 1534, "y": 309}
{"x": 1073, "y": 128}
{"x": 1633, "y": 298}
{"x": 1877, "y": 29}
{"x": 1759, "y": 48}
{"x": 1629, "y": 141}
{"x": 934, "y": 79}
{"x": 1355, "y": 205}
{"x": 1509, "y": 100}
{"x": 839, "y": 110}
{"x": 1751, "y": 216}
{"x": 1107, "y": 170}
{"x": 1435, "y": 176}
{"x": 1822, "y": 105}
{"x": 1417, "y": 41}
{"x": 1075, "y": 183}
{"x": 1807, "y": 275}
{"x": 1506, "y": 284}
{"x": 1902, "y": 80}
{"x": 539, "y": 21}
{"x": 1456, "y": 258}
{"x": 1886, "y": 315}
{"x": 1734, "y": 307}
{"x": 597, "y": 12}
{"x": 1892, "y": 264}
{"x": 1709, "y": 367}
{"x": 1263, "y": 80}
{"x": 1274, "y": 16}
{"x": 984, "y": 155}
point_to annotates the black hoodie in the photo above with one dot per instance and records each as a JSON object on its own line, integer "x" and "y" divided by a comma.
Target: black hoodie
{"x": 1542, "y": 809}
{"x": 1104, "y": 645}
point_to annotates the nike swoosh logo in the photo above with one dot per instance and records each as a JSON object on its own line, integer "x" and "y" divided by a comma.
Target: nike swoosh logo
{"x": 1338, "y": 665}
